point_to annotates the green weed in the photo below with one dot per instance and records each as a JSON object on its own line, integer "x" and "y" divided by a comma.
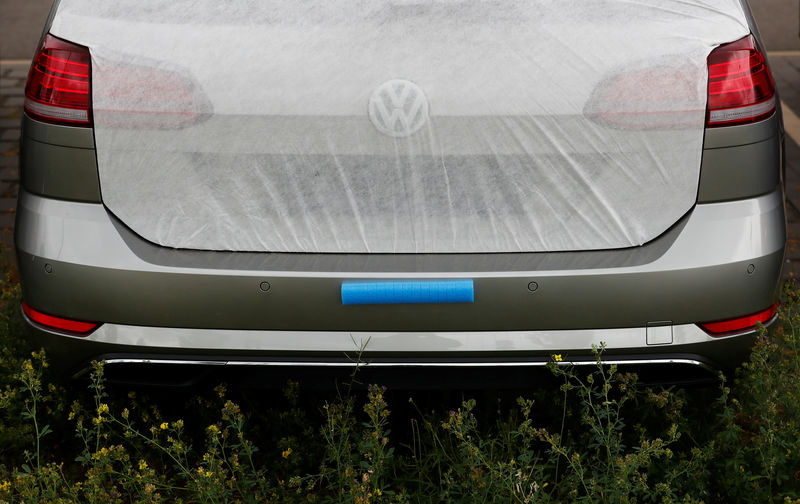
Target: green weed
{"x": 600, "y": 437}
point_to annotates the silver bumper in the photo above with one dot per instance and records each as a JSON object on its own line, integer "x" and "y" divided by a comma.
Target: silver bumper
{"x": 722, "y": 260}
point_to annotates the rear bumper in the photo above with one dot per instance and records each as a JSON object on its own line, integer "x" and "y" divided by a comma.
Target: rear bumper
{"x": 418, "y": 352}
{"x": 721, "y": 260}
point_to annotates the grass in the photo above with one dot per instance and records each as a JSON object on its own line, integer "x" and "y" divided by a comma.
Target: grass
{"x": 598, "y": 437}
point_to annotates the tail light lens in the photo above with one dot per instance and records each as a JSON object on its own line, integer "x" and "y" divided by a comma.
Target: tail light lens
{"x": 740, "y": 86}
{"x": 135, "y": 95}
{"x": 739, "y": 324}
{"x": 75, "y": 327}
{"x": 653, "y": 97}
{"x": 59, "y": 89}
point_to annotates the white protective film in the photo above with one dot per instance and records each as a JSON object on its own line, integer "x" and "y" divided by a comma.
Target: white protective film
{"x": 413, "y": 126}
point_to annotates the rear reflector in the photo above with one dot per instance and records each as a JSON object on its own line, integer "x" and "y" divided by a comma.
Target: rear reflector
{"x": 740, "y": 86}
{"x": 739, "y": 324}
{"x": 76, "y": 327}
{"x": 407, "y": 292}
{"x": 58, "y": 88}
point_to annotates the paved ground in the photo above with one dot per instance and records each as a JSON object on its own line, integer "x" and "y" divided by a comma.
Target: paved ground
{"x": 12, "y": 83}
{"x": 21, "y": 21}
{"x": 778, "y": 22}
{"x": 786, "y": 70}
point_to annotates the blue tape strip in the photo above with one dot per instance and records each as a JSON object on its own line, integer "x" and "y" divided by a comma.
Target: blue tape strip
{"x": 408, "y": 292}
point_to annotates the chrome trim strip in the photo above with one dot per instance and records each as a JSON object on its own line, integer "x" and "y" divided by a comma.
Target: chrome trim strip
{"x": 683, "y": 361}
{"x": 179, "y": 362}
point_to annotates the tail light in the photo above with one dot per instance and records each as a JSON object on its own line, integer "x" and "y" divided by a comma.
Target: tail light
{"x": 623, "y": 102}
{"x": 740, "y": 86}
{"x": 137, "y": 93}
{"x": 59, "y": 89}
{"x": 739, "y": 324}
{"x": 71, "y": 326}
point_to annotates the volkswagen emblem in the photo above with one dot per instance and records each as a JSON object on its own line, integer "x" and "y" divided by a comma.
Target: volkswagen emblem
{"x": 398, "y": 108}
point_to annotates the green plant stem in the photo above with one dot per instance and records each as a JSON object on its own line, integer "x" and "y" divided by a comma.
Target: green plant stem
{"x": 31, "y": 386}
{"x": 609, "y": 423}
{"x": 563, "y": 422}
{"x": 157, "y": 445}
{"x": 36, "y": 428}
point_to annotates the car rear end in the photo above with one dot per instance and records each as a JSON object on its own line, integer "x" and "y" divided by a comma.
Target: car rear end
{"x": 332, "y": 296}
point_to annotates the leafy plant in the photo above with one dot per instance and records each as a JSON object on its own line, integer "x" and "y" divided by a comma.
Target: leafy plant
{"x": 600, "y": 437}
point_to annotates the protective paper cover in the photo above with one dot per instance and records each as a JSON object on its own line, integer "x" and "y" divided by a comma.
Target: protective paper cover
{"x": 399, "y": 126}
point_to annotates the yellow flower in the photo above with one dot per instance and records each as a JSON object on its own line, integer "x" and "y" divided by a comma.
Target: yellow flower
{"x": 213, "y": 429}
{"x": 5, "y": 485}
{"x": 557, "y": 357}
{"x": 142, "y": 465}
{"x": 285, "y": 453}
{"x": 164, "y": 425}
{"x": 220, "y": 390}
{"x": 103, "y": 408}
{"x": 96, "y": 455}
{"x": 71, "y": 415}
{"x": 28, "y": 366}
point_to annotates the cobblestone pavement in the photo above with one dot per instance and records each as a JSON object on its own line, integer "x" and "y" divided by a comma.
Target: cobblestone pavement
{"x": 786, "y": 71}
{"x": 12, "y": 84}
{"x": 785, "y": 68}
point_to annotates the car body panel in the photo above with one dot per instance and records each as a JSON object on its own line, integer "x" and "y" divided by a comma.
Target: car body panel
{"x": 721, "y": 259}
{"x": 401, "y": 351}
{"x": 95, "y": 275}
{"x": 526, "y": 143}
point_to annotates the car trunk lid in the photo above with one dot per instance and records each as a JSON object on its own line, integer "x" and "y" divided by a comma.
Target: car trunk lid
{"x": 400, "y": 126}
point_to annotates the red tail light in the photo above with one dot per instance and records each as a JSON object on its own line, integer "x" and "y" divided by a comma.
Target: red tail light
{"x": 58, "y": 88}
{"x": 77, "y": 327}
{"x": 740, "y": 86}
{"x": 140, "y": 94}
{"x": 739, "y": 324}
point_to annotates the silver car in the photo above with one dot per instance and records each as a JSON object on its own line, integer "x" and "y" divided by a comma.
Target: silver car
{"x": 410, "y": 185}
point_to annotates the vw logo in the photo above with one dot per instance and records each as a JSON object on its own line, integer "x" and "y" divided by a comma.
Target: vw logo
{"x": 398, "y": 108}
